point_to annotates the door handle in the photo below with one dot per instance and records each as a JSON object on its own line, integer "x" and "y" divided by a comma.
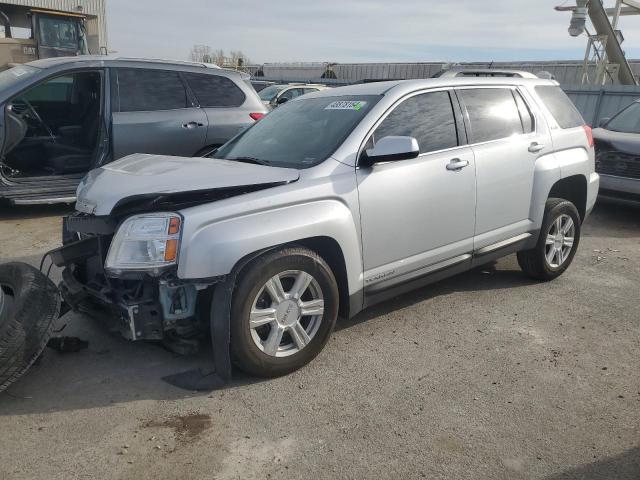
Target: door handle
{"x": 192, "y": 125}
{"x": 536, "y": 147}
{"x": 456, "y": 164}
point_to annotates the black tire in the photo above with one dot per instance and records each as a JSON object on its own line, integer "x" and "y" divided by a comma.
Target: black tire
{"x": 534, "y": 262}
{"x": 27, "y": 319}
{"x": 244, "y": 351}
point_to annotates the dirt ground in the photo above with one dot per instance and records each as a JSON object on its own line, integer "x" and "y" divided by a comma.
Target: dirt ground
{"x": 487, "y": 375}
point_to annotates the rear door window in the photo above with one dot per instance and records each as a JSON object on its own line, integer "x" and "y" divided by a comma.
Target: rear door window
{"x": 215, "y": 90}
{"x": 493, "y": 113}
{"x": 150, "y": 90}
{"x": 427, "y": 117}
{"x": 559, "y": 105}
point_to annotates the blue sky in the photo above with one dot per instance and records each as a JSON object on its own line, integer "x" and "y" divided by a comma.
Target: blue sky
{"x": 353, "y": 30}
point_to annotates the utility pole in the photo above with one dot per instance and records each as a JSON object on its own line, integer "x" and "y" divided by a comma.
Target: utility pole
{"x": 604, "y": 47}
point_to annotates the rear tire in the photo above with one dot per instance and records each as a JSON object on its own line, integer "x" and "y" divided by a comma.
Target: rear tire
{"x": 557, "y": 244}
{"x": 283, "y": 312}
{"x": 28, "y": 314}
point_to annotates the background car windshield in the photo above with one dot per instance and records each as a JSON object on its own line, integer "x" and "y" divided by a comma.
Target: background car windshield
{"x": 58, "y": 32}
{"x": 14, "y": 75}
{"x": 302, "y": 133}
{"x": 269, "y": 93}
{"x": 627, "y": 121}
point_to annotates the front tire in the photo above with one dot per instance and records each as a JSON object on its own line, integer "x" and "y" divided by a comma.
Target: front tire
{"x": 558, "y": 242}
{"x": 283, "y": 312}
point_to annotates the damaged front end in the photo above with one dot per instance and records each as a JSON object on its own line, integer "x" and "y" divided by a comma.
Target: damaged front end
{"x": 141, "y": 297}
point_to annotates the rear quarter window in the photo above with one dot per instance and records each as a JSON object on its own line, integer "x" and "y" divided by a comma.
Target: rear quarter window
{"x": 561, "y": 108}
{"x": 215, "y": 90}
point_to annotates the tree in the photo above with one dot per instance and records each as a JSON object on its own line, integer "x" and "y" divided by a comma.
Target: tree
{"x": 201, "y": 53}
{"x": 206, "y": 54}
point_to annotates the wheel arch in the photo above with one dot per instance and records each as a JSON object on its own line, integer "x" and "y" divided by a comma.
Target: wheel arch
{"x": 329, "y": 249}
{"x": 573, "y": 189}
{"x": 326, "y": 247}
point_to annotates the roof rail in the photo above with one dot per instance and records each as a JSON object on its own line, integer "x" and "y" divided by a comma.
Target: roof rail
{"x": 484, "y": 72}
{"x": 164, "y": 60}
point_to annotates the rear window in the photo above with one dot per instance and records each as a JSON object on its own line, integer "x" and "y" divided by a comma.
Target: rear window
{"x": 150, "y": 90}
{"x": 215, "y": 90}
{"x": 493, "y": 113}
{"x": 559, "y": 105}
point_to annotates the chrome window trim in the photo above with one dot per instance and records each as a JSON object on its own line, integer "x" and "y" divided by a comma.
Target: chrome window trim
{"x": 532, "y": 134}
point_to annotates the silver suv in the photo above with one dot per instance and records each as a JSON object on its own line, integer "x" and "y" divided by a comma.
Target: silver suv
{"x": 333, "y": 202}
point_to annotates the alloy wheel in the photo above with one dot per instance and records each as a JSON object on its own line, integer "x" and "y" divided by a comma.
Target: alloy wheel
{"x": 560, "y": 241}
{"x": 286, "y": 313}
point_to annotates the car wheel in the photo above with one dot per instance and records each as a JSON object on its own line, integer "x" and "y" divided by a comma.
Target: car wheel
{"x": 29, "y": 307}
{"x": 558, "y": 242}
{"x": 282, "y": 312}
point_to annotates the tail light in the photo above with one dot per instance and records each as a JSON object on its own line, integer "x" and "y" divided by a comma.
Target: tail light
{"x": 256, "y": 116}
{"x": 589, "y": 132}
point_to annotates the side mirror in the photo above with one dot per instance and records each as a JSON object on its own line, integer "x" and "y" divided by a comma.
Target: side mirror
{"x": 603, "y": 122}
{"x": 391, "y": 149}
{"x": 282, "y": 100}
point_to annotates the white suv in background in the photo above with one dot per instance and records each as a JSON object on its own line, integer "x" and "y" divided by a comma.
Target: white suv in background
{"x": 275, "y": 95}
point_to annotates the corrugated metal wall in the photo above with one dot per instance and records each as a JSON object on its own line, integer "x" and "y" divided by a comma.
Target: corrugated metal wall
{"x": 596, "y": 103}
{"x": 568, "y": 72}
{"x": 95, "y": 8}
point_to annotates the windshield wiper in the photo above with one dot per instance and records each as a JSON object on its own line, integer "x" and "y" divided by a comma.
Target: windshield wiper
{"x": 253, "y": 160}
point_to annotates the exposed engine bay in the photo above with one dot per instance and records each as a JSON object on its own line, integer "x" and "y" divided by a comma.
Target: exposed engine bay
{"x": 138, "y": 305}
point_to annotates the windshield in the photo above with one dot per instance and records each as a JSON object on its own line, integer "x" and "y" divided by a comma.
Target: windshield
{"x": 15, "y": 75}
{"x": 270, "y": 93}
{"x": 59, "y": 32}
{"x": 301, "y": 133}
{"x": 627, "y": 121}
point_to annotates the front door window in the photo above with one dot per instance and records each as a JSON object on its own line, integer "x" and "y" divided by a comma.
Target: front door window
{"x": 53, "y": 128}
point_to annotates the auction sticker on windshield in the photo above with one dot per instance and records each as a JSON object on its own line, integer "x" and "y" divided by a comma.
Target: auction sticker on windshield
{"x": 346, "y": 105}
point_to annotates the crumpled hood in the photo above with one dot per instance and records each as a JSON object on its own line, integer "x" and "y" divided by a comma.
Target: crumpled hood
{"x": 139, "y": 175}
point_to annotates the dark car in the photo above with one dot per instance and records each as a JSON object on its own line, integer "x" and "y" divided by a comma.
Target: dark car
{"x": 260, "y": 85}
{"x": 63, "y": 117}
{"x": 617, "y": 144}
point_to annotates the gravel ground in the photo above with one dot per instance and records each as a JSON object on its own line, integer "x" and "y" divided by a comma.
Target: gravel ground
{"x": 485, "y": 375}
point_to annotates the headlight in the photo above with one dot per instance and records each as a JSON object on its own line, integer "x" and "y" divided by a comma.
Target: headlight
{"x": 147, "y": 242}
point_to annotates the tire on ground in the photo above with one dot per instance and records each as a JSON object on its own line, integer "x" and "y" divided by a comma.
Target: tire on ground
{"x": 29, "y": 313}
{"x": 533, "y": 262}
{"x": 244, "y": 353}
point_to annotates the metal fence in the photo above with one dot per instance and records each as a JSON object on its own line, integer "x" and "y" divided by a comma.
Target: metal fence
{"x": 565, "y": 72}
{"x": 596, "y": 103}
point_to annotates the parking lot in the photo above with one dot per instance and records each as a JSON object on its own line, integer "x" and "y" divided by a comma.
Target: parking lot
{"x": 484, "y": 375}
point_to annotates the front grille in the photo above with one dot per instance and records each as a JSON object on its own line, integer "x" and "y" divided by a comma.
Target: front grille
{"x": 91, "y": 225}
{"x": 618, "y": 164}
